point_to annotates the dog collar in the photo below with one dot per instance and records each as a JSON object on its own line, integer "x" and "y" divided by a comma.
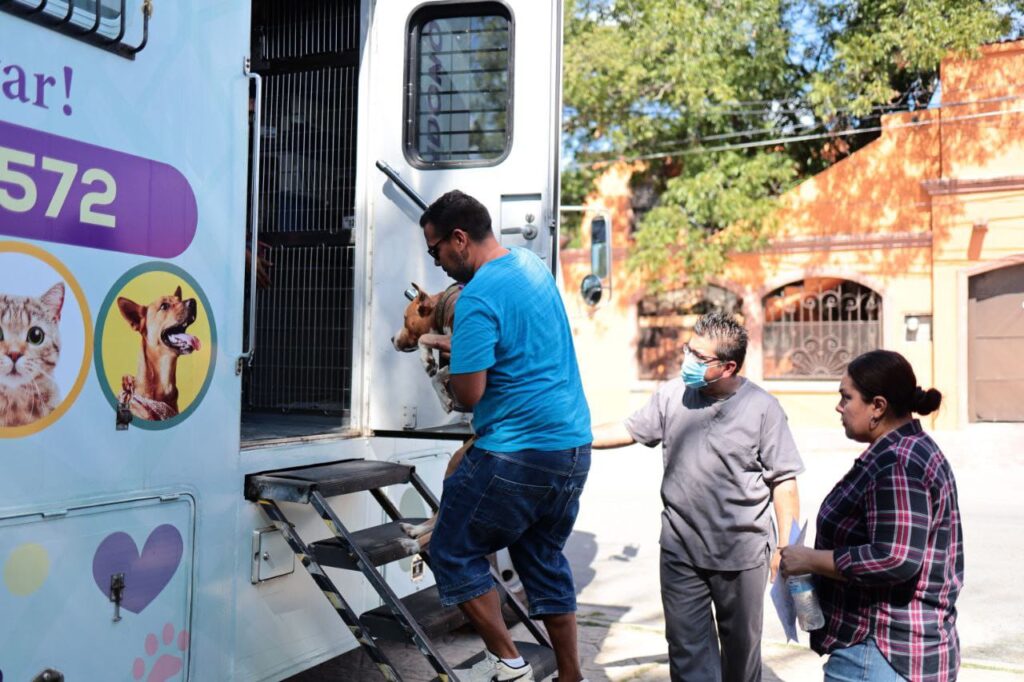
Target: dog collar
{"x": 447, "y": 298}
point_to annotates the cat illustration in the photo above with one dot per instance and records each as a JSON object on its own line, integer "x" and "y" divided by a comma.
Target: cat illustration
{"x": 29, "y": 352}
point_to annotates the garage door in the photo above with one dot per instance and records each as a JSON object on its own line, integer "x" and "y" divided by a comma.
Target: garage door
{"x": 996, "y": 337}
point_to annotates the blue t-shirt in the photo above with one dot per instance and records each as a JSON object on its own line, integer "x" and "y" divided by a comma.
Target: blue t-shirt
{"x": 510, "y": 321}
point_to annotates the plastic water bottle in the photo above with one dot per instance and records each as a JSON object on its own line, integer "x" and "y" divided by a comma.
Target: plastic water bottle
{"x": 805, "y": 600}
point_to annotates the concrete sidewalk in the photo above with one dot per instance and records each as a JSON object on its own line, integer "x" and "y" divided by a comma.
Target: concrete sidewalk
{"x": 614, "y": 553}
{"x": 632, "y": 652}
{"x": 612, "y": 652}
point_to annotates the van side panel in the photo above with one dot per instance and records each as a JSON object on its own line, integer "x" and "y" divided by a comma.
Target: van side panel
{"x": 157, "y": 142}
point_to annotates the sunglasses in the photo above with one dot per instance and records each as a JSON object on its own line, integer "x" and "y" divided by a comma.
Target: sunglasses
{"x": 433, "y": 250}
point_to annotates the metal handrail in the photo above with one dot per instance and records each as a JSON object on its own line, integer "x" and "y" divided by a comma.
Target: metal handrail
{"x": 249, "y": 348}
{"x": 402, "y": 184}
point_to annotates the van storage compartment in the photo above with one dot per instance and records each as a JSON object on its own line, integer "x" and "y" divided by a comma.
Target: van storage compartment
{"x": 300, "y": 381}
{"x": 63, "y": 571}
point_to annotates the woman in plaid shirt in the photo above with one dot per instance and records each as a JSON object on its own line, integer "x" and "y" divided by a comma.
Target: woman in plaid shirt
{"x": 889, "y": 547}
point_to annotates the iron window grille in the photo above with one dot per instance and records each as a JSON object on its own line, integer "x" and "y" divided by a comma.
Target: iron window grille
{"x": 101, "y": 23}
{"x": 815, "y": 327}
{"x": 666, "y": 323}
{"x": 459, "y": 85}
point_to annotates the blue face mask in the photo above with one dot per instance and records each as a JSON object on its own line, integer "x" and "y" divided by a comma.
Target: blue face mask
{"x": 693, "y": 372}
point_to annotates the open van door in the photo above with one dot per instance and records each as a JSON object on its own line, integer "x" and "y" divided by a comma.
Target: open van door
{"x": 479, "y": 111}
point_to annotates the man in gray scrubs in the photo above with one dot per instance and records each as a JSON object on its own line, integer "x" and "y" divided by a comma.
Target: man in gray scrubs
{"x": 728, "y": 454}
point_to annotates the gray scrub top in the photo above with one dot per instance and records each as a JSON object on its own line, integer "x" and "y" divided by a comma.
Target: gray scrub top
{"x": 720, "y": 456}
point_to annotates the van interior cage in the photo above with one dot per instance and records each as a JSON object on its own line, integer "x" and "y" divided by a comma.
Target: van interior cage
{"x": 106, "y": 24}
{"x": 307, "y": 54}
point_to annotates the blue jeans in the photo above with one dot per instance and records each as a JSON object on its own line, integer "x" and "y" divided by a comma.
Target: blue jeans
{"x": 860, "y": 663}
{"x": 526, "y": 501}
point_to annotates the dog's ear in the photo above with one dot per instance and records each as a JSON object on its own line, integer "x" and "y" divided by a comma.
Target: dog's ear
{"x": 177, "y": 292}
{"x": 133, "y": 312}
{"x": 425, "y": 305}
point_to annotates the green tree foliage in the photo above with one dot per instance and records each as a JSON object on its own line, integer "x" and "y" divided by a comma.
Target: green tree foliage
{"x": 705, "y": 89}
{"x": 576, "y": 185}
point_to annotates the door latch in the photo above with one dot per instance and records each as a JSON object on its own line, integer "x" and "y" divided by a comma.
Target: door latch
{"x": 124, "y": 412}
{"x": 529, "y": 231}
{"x": 117, "y": 593}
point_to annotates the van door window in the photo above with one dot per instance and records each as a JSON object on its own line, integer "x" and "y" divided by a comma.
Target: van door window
{"x": 459, "y": 85}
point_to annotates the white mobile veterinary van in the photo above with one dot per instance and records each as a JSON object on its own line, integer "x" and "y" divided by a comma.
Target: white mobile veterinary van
{"x": 174, "y": 434}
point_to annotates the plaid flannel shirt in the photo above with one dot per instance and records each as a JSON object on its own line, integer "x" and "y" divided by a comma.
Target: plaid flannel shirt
{"x": 894, "y": 527}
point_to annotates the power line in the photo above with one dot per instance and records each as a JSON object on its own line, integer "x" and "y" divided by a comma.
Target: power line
{"x": 802, "y": 138}
{"x": 751, "y": 132}
{"x": 762, "y": 131}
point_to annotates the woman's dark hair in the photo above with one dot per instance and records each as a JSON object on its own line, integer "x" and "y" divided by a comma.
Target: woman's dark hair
{"x": 886, "y": 373}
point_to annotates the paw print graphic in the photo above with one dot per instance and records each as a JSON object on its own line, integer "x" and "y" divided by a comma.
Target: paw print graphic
{"x": 161, "y": 663}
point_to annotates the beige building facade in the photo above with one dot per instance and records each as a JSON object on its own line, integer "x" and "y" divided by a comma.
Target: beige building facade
{"x": 914, "y": 243}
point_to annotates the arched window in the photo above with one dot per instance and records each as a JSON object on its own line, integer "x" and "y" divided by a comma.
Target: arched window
{"x": 666, "y": 321}
{"x": 813, "y": 328}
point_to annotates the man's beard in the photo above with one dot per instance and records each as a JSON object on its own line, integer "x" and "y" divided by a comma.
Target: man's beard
{"x": 462, "y": 272}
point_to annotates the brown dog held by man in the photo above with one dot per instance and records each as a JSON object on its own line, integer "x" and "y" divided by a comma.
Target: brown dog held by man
{"x": 152, "y": 394}
{"x": 427, "y": 327}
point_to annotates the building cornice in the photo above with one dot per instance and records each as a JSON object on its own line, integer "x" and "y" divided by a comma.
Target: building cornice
{"x": 1006, "y": 183}
{"x": 852, "y": 242}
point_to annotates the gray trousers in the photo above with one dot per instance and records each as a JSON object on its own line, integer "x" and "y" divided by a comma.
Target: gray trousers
{"x": 687, "y": 593}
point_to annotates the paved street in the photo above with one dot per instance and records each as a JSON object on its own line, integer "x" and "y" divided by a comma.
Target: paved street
{"x": 614, "y": 552}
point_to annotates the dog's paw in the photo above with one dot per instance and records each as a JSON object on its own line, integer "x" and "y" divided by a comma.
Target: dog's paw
{"x": 410, "y": 546}
{"x": 414, "y": 530}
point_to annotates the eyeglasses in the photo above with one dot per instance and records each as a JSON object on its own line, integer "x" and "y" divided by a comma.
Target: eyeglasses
{"x": 699, "y": 356}
{"x": 433, "y": 249}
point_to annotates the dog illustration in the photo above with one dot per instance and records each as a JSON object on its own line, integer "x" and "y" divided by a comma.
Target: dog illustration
{"x": 427, "y": 326}
{"x": 152, "y": 394}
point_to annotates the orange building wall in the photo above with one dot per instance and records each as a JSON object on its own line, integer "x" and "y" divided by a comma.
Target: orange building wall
{"x": 939, "y": 196}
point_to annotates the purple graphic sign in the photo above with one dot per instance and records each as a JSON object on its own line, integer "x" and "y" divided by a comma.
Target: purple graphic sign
{"x": 60, "y": 190}
{"x": 146, "y": 574}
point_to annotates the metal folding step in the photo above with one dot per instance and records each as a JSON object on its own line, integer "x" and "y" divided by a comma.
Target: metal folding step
{"x": 418, "y": 618}
{"x": 336, "y": 478}
{"x": 381, "y": 544}
{"x": 541, "y": 658}
{"x": 425, "y": 607}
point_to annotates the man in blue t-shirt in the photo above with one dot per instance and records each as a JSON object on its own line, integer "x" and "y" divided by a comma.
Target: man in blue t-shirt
{"x": 513, "y": 362}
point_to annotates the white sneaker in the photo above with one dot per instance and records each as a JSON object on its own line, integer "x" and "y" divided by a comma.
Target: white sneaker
{"x": 493, "y": 669}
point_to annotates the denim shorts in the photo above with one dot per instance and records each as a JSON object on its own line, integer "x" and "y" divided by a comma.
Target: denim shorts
{"x": 860, "y": 663}
{"x": 525, "y": 501}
